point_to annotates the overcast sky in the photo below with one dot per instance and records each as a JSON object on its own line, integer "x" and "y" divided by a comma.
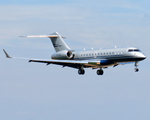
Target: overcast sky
{"x": 32, "y": 91}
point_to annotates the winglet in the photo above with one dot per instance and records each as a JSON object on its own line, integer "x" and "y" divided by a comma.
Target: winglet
{"x": 6, "y": 54}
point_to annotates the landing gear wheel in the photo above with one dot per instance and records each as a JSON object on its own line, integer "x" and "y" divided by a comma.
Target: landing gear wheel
{"x": 100, "y": 72}
{"x": 81, "y": 72}
{"x": 136, "y": 69}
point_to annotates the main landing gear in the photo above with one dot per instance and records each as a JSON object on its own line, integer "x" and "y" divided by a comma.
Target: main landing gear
{"x": 100, "y": 72}
{"x": 136, "y": 65}
{"x": 81, "y": 71}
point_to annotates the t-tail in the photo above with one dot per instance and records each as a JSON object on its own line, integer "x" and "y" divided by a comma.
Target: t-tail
{"x": 57, "y": 41}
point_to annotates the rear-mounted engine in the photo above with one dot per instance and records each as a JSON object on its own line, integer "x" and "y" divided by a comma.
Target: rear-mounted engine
{"x": 63, "y": 55}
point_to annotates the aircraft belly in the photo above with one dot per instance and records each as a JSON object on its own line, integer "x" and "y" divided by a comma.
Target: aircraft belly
{"x": 96, "y": 66}
{"x": 127, "y": 59}
{"x": 122, "y": 58}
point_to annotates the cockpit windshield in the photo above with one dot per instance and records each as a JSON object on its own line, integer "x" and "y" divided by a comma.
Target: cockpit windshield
{"x": 130, "y": 50}
{"x": 134, "y": 50}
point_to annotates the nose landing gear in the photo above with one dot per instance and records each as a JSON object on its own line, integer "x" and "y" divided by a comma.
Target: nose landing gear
{"x": 136, "y": 69}
{"x": 136, "y": 65}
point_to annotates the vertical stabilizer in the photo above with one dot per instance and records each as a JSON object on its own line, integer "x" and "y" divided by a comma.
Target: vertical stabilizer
{"x": 56, "y": 39}
{"x": 58, "y": 43}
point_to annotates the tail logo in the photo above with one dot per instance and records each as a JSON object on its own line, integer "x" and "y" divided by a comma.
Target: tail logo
{"x": 56, "y": 45}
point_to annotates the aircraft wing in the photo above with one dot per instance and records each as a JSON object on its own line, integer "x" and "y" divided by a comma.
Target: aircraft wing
{"x": 70, "y": 63}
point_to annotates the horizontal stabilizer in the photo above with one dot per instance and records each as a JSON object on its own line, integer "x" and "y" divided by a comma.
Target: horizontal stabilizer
{"x": 41, "y": 36}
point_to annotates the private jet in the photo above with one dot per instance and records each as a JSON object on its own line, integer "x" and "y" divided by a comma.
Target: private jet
{"x": 95, "y": 59}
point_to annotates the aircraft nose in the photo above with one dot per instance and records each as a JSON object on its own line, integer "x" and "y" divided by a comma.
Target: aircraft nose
{"x": 143, "y": 56}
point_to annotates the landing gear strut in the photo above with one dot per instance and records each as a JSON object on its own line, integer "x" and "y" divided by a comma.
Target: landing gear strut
{"x": 100, "y": 72}
{"x": 136, "y": 65}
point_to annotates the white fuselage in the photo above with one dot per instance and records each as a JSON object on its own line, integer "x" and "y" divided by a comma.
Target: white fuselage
{"x": 103, "y": 57}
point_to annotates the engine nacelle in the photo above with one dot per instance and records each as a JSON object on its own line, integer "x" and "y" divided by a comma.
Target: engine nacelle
{"x": 63, "y": 55}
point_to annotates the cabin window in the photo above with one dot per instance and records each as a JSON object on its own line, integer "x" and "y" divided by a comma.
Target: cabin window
{"x": 89, "y": 54}
{"x": 81, "y": 55}
{"x": 113, "y": 53}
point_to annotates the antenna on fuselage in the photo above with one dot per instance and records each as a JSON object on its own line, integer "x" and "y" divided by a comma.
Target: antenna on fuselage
{"x": 91, "y": 48}
{"x": 115, "y": 46}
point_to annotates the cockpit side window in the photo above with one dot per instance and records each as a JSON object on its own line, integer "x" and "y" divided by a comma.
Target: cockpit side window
{"x": 136, "y": 50}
